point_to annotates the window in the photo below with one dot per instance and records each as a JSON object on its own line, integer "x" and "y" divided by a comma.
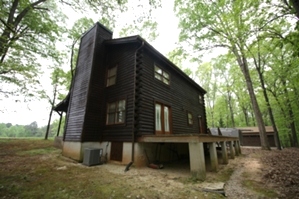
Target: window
{"x": 162, "y": 119}
{"x": 116, "y": 112}
{"x": 200, "y": 99}
{"x": 111, "y": 76}
{"x": 190, "y": 118}
{"x": 162, "y": 75}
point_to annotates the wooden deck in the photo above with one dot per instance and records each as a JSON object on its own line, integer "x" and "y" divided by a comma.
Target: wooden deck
{"x": 196, "y": 149}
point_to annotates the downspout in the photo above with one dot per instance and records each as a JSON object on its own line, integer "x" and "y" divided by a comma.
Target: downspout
{"x": 134, "y": 93}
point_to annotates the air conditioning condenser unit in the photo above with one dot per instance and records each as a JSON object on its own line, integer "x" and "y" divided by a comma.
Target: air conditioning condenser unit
{"x": 92, "y": 156}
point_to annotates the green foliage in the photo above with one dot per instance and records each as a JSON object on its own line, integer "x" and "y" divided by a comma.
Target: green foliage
{"x": 28, "y": 31}
{"x": 260, "y": 42}
{"x": 30, "y": 130}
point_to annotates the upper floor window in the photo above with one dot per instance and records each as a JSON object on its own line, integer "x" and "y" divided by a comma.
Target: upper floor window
{"x": 161, "y": 75}
{"x": 116, "y": 112}
{"x": 190, "y": 118}
{"x": 200, "y": 99}
{"x": 111, "y": 76}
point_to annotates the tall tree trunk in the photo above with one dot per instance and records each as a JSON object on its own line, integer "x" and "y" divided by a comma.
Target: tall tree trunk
{"x": 242, "y": 61}
{"x": 51, "y": 112}
{"x": 284, "y": 115}
{"x": 276, "y": 136}
{"x": 245, "y": 116}
{"x": 258, "y": 66}
{"x": 291, "y": 115}
{"x": 230, "y": 106}
{"x": 245, "y": 112}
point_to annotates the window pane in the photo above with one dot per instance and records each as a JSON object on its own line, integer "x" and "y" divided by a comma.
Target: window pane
{"x": 111, "y": 77}
{"x": 200, "y": 98}
{"x": 190, "y": 118}
{"x": 161, "y": 75}
{"x": 112, "y": 72}
{"x": 110, "y": 118}
{"x": 165, "y": 75}
{"x": 158, "y": 117}
{"x": 158, "y": 76}
{"x": 166, "y": 119}
{"x": 122, "y": 105}
{"x": 111, "y": 107}
{"x": 158, "y": 70}
{"x": 121, "y": 111}
{"x": 120, "y": 117}
{"x": 166, "y": 81}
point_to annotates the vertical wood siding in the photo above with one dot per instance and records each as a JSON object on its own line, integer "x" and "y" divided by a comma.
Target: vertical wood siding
{"x": 95, "y": 107}
{"x": 81, "y": 95}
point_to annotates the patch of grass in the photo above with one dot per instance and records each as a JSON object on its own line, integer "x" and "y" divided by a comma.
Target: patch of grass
{"x": 225, "y": 174}
{"x": 259, "y": 189}
{"x": 37, "y": 151}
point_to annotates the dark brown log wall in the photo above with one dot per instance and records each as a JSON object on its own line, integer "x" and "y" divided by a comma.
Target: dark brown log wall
{"x": 180, "y": 95}
{"x": 124, "y": 57}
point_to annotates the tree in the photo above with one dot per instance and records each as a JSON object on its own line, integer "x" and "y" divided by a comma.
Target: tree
{"x": 227, "y": 24}
{"x": 28, "y": 31}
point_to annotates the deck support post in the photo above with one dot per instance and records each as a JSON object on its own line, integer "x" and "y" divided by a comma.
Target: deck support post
{"x": 231, "y": 150}
{"x": 197, "y": 160}
{"x": 213, "y": 156}
{"x": 239, "y": 146}
{"x": 236, "y": 148}
{"x": 224, "y": 153}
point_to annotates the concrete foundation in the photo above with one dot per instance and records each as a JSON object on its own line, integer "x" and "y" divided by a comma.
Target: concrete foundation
{"x": 197, "y": 160}
{"x": 72, "y": 150}
{"x": 224, "y": 153}
{"x": 146, "y": 153}
{"x": 231, "y": 150}
{"x": 236, "y": 148}
{"x": 213, "y": 156}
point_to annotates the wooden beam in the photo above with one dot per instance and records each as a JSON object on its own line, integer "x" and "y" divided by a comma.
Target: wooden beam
{"x": 184, "y": 138}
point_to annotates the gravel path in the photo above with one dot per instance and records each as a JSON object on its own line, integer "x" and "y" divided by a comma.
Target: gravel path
{"x": 234, "y": 188}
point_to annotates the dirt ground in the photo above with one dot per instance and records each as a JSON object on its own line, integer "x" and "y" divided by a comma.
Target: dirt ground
{"x": 35, "y": 169}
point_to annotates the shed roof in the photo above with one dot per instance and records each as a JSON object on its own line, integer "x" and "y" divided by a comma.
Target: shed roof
{"x": 255, "y": 130}
{"x": 63, "y": 105}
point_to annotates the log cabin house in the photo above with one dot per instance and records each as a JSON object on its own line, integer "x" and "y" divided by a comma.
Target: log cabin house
{"x": 128, "y": 99}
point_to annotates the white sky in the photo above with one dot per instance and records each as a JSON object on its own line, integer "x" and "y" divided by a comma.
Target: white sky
{"x": 38, "y": 110}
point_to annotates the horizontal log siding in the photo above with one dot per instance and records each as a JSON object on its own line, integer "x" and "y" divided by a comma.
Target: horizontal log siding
{"x": 78, "y": 99}
{"x": 123, "y": 56}
{"x": 180, "y": 95}
{"x": 94, "y": 117}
